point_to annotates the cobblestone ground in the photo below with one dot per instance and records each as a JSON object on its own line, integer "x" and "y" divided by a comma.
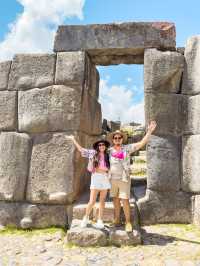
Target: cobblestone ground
{"x": 169, "y": 245}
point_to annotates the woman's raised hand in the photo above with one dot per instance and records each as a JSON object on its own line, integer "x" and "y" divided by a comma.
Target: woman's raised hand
{"x": 70, "y": 137}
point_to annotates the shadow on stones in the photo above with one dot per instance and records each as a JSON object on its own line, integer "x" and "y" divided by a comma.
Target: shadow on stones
{"x": 161, "y": 240}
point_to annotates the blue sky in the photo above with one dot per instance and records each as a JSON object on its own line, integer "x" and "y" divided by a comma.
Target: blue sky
{"x": 34, "y": 25}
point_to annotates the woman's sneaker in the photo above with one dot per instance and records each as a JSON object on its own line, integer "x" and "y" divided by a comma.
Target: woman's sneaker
{"x": 84, "y": 222}
{"x": 99, "y": 224}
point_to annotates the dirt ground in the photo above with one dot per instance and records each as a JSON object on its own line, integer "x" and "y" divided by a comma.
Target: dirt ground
{"x": 169, "y": 245}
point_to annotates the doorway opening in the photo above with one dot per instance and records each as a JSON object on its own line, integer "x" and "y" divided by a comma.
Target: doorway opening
{"x": 121, "y": 94}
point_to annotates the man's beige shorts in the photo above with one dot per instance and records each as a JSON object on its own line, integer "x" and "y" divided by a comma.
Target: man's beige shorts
{"x": 120, "y": 189}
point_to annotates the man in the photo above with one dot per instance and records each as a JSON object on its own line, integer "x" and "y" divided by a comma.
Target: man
{"x": 120, "y": 172}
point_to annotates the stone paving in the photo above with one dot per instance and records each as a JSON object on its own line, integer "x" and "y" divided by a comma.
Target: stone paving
{"x": 163, "y": 245}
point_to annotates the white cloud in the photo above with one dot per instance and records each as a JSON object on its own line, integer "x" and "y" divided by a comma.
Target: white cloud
{"x": 34, "y": 29}
{"x": 117, "y": 102}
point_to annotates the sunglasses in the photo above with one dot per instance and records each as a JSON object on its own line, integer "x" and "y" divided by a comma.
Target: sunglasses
{"x": 101, "y": 144}
{"x": 117, "y": 138}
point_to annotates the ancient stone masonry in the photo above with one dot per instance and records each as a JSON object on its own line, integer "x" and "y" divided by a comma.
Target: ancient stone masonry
{"x": 44, "y": 97}
{"x": 116, "y": 43}
{"x": 173, "y": 152}
{"x": 190, "y": 181}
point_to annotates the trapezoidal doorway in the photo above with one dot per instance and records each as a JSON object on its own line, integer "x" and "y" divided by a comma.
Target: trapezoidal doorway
{"x": 154, "y": 45}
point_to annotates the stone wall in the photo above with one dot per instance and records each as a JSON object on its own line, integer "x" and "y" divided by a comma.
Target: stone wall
{"x": 43, "y": 98}
{"x": 191, "y": 125}
{"x": 173, "y": 166}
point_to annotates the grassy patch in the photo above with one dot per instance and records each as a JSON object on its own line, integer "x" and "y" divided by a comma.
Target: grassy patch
{"x": 139, "y": 173}
{"x": 139, "y": 161}
{"x": 179, "y": 230}
{"x": 13, "y": 230}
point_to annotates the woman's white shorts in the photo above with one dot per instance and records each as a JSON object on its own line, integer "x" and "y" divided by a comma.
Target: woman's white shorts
{"x": 100, "y": 181}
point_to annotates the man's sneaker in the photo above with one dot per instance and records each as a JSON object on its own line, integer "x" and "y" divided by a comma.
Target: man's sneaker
{"x": 84, "y": 222}
{"x": 128, "y": 227}
{"x": 99, "y": 224}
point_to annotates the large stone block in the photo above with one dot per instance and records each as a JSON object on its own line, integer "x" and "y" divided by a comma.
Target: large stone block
{"x": 167, "y": 110}
{"x": 8, "y": 110}
{"x": 57, "y": 170}
{"x": 76, "y": 69}
{"x": 196, "y": 209}
{"x": 52, "y": 108}
{"x": 25, "y": 215}
{"x": 91, "y": 118}
{"x": 191, "y": 117}
{"x": 120, "y": 237}
{"x": 162, "y": 71}
{"x": 92, "y": 78}
{"x": 14, "y": 163}
{"x": 31, "y": 71}
{"x": 191, "y": 163}
{"x": 119, "y": 39}
{"x": 164, "y": 163}
{"x": 165, "y": 207}
{"x": 70, "y": 68}
{"x": 191, "y": 74}
{"x": 86, "y": 237}
{"x": 58, "y": 108}
{"x": 4, "y": 73}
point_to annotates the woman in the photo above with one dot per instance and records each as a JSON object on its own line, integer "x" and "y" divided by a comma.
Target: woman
{"x": 98, "y": 165}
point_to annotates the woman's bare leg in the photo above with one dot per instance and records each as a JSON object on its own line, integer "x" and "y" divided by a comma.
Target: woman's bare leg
{"x": 103, "y": 194}
{"x": 92, "y": 201}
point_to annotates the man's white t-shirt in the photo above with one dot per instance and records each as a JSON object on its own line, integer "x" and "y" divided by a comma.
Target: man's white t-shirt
{"x": 120, "y": 160}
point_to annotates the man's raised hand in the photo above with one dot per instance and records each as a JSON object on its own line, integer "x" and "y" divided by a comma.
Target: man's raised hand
{"x": 152, "y": 125}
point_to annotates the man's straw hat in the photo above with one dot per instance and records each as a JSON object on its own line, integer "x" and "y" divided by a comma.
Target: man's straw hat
{"x": 119, "y": 132}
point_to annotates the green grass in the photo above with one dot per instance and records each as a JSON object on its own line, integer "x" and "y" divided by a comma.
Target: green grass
{"x": 140, "y": 173}
{"x": 185, "y": 228}
{"x": 11, "y": 230}
{"x": 139, "y": 161}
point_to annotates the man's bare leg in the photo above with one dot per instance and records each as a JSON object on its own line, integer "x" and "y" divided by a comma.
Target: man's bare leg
{"x": 126, "y": 208}
{"x": 117, "y": 208}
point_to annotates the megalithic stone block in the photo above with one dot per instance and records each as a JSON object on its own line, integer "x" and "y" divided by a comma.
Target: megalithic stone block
{"x": 162, "y": 71}
{"x": 26, "y": 215}
{"x": 58, "y": 108}
{"x": 76, "y": 69}
{"x": 57, "y": 170}
{"x": 165, "y": 207}
{"x": 191, "y": 74}
{"x": 196, "y": 209}
{"x": 70, "y": 68}
{"x": 118, "y": 39}
{"x": 167, "y": 110}
{"x": 191, "y": 114}
{"x": 31, "y": 70}
{"x": 92, "y": 78}
{"x": 191, "y": 163}
{"x": 91, "y": 118}
{"x": 8, "y": 110}
{"x": 4, "y": 74}
{"x": 53, "y": 108}
{"x": 14, "y": 163}
{"x": 164, "y": 163}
